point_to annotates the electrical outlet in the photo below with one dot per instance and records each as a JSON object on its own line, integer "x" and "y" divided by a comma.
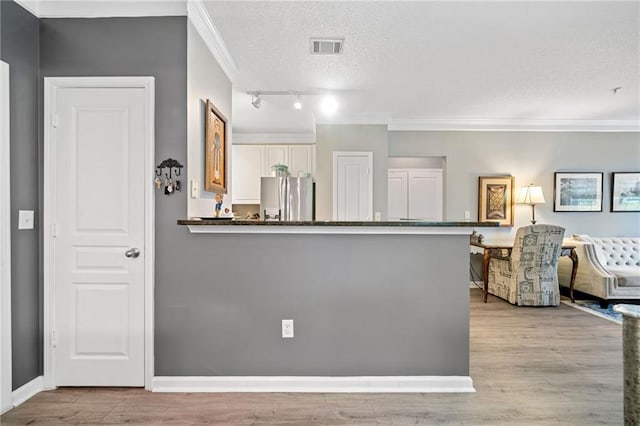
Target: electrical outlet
{"x": 25, "y": 219}
{"x": 287, "y": 329}
{"x": 378, "y": 217}
{"x": 467, "y": 215}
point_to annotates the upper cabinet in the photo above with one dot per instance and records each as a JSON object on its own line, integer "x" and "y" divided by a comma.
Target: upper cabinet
{"x": 250, "y": 162}
{"x": 414, "y": 194}
{"x": 247, "y": 167}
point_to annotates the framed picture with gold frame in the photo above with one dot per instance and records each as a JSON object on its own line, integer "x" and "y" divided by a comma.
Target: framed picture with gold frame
{"x": 215, "y": 154}
{"x": 495, "y": 199}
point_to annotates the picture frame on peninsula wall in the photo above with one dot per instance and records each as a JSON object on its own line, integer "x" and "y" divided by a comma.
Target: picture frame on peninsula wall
{"x": 495, "y": 199}
{"x": 577, "y": 192}
{"x": 215, "y": 157}
{"x": 625, "y": 192}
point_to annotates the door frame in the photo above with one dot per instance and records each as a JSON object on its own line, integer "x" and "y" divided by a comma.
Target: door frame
{"x": 6, "y": 381}
{"x": 365, "y": 154}
{"x": 51, "y": 84}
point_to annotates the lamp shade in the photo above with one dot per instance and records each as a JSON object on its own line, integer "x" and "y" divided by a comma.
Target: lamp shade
{"x": 530, "y": 195}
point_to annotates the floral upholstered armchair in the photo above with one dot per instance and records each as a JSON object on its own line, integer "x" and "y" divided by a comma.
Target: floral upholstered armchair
{"x": 528, "y": 276}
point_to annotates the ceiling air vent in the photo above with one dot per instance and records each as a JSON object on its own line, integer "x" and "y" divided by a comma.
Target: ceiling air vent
{"x": 326, "y": 46}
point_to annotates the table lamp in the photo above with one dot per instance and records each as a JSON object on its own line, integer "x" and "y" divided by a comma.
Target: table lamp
{"x": 531, "y": 195}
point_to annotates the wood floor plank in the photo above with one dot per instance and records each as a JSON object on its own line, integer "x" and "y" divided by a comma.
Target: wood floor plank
{"x": 530, "y": 366}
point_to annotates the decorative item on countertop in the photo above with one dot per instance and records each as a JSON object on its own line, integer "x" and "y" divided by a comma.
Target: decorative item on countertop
{"x": 174, "y": 167}
{"x": 280, "y": 170}
{"x": 218, "y": 206}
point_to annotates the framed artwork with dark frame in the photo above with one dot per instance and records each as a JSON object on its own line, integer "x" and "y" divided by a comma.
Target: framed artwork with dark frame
{"x": 577, "y": 192}
{"x": 215, "y": 154}
{"x": 495, "y": 199}
{"x": 625, "y": 192}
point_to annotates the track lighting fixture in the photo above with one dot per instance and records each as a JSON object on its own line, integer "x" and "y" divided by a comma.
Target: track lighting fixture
{"x": 256, "y": 100}
{"x": 328, "y": 105}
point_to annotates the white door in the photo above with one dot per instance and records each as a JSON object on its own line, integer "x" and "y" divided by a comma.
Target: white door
{"x": 397, "y": 193}
{"x": 6, "y": 399}
{"x": 98, "y": 212}
{"x": 425, "y": 194}
{"x": 352, "y": 186}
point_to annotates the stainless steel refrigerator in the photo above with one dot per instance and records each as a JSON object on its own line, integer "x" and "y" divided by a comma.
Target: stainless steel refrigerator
{"x": 287, "y": 198}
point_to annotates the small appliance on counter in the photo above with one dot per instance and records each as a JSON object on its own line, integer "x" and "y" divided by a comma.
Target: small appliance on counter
{"x": 287, "y": 198}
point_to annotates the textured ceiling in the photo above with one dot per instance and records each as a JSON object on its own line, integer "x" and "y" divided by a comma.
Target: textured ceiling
{"x": 434, "y": 60}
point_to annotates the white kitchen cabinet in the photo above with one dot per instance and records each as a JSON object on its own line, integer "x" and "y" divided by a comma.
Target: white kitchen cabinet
{"x": 415, "y": 194}
{"x": 275, "y": 154}
{"x": 398, "y": 193}
{"x": 301, "y": 159}
{"x": 251, "y": 162}
{"x": 247, "y": 168}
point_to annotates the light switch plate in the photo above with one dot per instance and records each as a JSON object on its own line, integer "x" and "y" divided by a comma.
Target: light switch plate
{"x": 25, "y": 219}
{"x": 194, "y": 188}
{"x": 287, "y": 329}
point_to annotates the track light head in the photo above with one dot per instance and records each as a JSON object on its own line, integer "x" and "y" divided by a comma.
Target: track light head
{"x": 256, "y": 101}
{"x": 297, "y": 104}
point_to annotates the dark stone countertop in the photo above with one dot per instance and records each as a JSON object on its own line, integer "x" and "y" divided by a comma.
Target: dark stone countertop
{"x": 403, "y": 223}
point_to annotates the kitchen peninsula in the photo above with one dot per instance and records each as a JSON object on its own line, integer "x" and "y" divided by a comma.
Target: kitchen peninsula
{"x": 377, "y": 306}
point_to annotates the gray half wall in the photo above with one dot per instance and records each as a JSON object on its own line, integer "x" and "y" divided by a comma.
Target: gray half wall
{"x": 362, "y": 305}
{"x": 19, "y": 48}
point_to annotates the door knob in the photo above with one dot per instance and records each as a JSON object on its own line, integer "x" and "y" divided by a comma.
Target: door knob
{"x": 133, "y": 252}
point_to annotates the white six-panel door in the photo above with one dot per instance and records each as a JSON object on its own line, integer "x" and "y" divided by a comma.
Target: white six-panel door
{"x": 98, "y": 217}
{"x": 352, "y": 186}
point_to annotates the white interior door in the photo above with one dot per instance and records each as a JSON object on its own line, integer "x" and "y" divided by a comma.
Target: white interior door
{"x": 98, "y": 219}
{"x": 5, "y": 244}
{"x": 425, "y": 194}
{"x": 352, "y": 186}
{"x": 397, "y": 194}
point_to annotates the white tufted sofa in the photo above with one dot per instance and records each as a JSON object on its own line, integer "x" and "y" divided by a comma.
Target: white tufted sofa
{"x": 608, "y": 268}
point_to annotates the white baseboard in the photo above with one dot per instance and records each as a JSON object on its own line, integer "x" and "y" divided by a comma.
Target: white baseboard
{"x": 363, "y": 384}
{"x": 28, "y": 390}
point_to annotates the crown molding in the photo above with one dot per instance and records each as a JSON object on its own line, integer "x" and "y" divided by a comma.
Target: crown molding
{"x": 273, "y": 138}
{"x": 515, "y": 125}
{"x": 103, "y": 9}
{"x": 32, "y": 6}
{"x": 199, "y": 16}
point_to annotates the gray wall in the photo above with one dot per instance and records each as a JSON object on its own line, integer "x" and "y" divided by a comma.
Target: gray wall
{"x": 331, "y": 138}
{"x": 139, "y": 47}
{"x": 530, "y": 157}
{"x": 361, "y": 305}
{"x": 19, "y": 48}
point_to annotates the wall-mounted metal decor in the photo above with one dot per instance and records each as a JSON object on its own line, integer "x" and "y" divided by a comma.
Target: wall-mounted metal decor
{"x": 169, "y": 168}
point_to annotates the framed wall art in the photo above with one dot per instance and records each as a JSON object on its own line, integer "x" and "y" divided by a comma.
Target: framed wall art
{"x": 215, "y": 157}
{"x": 495, "y": 199}
{"x": 625, "y": 192}
{"x": 577, "y": 192}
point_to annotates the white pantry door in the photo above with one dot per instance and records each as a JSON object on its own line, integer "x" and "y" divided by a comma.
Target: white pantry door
{"x": 352, "y": 186}
{"x": 99, "y": 219}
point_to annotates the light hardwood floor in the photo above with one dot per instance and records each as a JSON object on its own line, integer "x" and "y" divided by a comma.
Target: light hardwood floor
{"x": 530, "y": 366}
